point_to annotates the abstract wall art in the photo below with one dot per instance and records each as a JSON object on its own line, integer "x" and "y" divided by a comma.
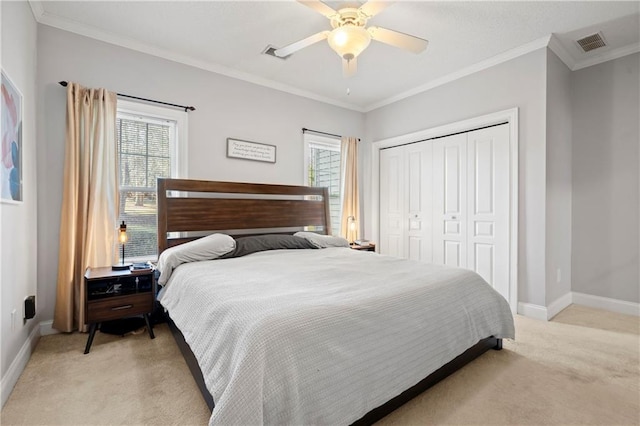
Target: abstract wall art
{"x": 11, "y": 129}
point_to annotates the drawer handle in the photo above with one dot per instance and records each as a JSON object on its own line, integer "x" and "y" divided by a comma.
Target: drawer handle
{"x": 119, "y": 308}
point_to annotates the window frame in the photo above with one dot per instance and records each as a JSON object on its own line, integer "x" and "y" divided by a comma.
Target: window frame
{"x": 177, "y": 143}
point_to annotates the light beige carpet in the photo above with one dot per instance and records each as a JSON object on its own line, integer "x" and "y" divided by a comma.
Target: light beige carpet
{"x": 581, "y": 368}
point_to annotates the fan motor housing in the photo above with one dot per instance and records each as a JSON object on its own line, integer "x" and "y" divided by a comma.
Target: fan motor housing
{"x": 349, "y": 16}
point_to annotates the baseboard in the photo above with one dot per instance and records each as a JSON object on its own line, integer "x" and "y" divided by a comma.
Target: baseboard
{"x": 546, "y": 313}
{"x": 12, "y": 375}
{"x": 46, "y": 328}
{"x": 532, "y": 311}
{"x": 559, "y": 304}
{"x": 613, "y": 305}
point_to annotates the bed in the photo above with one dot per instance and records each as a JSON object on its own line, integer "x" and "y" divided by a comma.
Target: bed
{"x": 317, "y": 336}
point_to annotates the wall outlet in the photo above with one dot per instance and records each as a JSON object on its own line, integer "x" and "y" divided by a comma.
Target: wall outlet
{"x": 558, "y": 275}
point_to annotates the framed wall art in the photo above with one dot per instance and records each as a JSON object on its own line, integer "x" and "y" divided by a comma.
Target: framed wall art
{"x": 11, "y": 148}
{"x": 246, "y": 150}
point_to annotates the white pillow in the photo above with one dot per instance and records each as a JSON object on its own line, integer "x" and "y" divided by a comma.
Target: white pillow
{"x": 323, "y": 241}
{"x": 205, "y": 248}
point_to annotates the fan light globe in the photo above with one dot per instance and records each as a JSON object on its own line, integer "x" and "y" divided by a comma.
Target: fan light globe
{"x": 349, "y": 41}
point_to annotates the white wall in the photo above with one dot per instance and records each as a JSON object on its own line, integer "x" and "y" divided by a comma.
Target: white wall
{"x": 225, "y": 108}
{"x": 558, "y": 213}
{"x": 19, "y": 222}
{"x": 521, "y": 83}
{"x": 606, "y": 210}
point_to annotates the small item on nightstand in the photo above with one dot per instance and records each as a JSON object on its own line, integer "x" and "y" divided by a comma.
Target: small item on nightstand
{"x": 144, "y": 266}
{"x": 361, "y": 242}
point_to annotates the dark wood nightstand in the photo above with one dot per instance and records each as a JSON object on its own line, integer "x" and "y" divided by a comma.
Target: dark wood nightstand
{"x": 368, "y": 247}
{"x": 111, "y": 295}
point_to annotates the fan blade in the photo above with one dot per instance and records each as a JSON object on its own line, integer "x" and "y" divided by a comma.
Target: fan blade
{"x": 294, "y": 47}
{"x": 349, "y": 67}
{"x": 372, "y": 8}
{"x": 398, "y": 39}
{"x": 319, "y": 7}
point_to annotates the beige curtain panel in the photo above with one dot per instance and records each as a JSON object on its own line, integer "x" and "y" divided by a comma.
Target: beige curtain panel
{"x": 350, "y": 194}
{"x": 89, "y": 216}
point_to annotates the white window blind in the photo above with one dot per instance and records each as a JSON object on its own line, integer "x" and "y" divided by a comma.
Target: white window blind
{"x": 322, "y": 155}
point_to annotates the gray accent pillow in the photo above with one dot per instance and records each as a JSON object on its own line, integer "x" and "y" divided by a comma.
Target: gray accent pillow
{"x": 322, "y": 241}
{"x": 248, "y": 245}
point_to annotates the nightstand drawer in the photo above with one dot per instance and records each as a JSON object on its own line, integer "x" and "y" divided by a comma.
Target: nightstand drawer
{"x": 119, "y": 307}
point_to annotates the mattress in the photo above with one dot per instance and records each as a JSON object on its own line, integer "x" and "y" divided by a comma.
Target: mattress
{"x": 324, "y": 336}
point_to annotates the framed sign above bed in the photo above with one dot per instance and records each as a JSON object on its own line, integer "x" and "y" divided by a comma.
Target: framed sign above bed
{"x": 246, "y": 150}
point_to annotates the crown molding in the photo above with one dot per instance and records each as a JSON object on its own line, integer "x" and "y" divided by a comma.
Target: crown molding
{"x": 37, "y": 9}
{"x": 488, "y": 63}
{"x": 88, "y": 31}
{"x": 607, "y": 56}
{"x": 562, "y": 53}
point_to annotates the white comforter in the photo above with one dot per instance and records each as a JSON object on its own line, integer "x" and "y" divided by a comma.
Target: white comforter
{"x": 324, "y": 336}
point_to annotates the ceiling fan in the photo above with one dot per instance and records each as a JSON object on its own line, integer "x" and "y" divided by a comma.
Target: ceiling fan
{"x": 349, "y": 36}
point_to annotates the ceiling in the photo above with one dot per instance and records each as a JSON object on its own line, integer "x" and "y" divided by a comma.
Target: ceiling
{"x": 229, "y": 38}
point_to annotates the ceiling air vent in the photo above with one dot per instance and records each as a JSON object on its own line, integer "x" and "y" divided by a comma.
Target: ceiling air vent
{"x": 591, "y": 42}
{"x": 271, "y": 51}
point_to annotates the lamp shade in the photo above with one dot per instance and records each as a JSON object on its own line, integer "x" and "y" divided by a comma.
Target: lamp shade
{"x": 122, "y": 233}
{"x": 349, "y": 41}
{"x": 352, "y": 225}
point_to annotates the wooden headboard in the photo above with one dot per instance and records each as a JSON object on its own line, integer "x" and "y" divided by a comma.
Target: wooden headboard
{"x": 189, "y": 209}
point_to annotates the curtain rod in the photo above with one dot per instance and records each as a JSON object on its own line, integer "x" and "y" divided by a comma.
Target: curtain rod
{"x": 186, "y": 108}
{"x": 304, "y": 130}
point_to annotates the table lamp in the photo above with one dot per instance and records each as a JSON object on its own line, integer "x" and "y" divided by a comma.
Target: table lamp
{"x": 122, "y": 239}
{"x": 351, "y": 225}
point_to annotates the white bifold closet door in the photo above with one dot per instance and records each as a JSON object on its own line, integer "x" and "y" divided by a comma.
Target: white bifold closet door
{"x": 446, "y": 201}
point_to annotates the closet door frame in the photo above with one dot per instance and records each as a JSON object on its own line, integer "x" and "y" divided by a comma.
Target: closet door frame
{"x": 509, "y": 116}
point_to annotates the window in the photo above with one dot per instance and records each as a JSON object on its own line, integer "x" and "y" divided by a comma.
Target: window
{"x": 150, "y": 145}
{"x": 322, "y": 168}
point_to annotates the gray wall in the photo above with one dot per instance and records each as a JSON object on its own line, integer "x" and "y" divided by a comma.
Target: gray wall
{"x": 558, "y": 211}
{"x": 605, "y": 200}
{"x": 517, "y": 83}
{"x": 19, "y": 222}
{"x": 601, "y": 172}
{"x": 226, "y": 107}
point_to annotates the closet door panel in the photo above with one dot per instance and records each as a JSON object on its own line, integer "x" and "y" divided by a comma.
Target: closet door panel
{"x": 449, "y": 200}
{"x": 392, "y": 226}
{"x": 418, "y": 203}
{"x": 488, "y": 205}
